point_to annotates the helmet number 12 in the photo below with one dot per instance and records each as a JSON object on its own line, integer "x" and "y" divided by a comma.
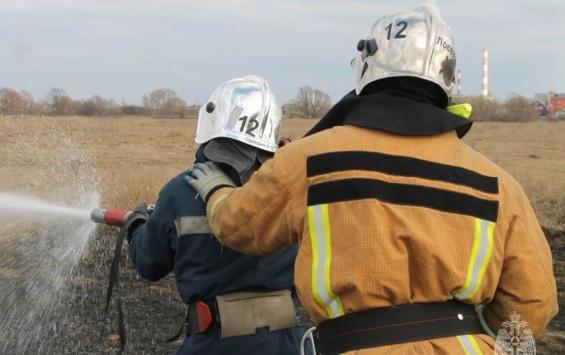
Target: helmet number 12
{"x": 399, "y": 34}
{"x": 252, "y": 125}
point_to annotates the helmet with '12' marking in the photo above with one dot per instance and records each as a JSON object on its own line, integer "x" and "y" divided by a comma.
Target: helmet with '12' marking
{"x": 243, "y": 109}
{"x": 416, "y": 43}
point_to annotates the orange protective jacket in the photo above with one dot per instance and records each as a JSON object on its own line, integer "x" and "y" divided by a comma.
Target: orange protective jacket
{"x": 383, "y": 219}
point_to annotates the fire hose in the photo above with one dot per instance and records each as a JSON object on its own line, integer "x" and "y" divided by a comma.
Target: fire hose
{"x": 117, "y": 218}
{"x": 110, "y": 217}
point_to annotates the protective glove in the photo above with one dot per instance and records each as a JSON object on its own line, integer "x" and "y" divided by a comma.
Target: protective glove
{"x": 206, "y": 178}
{"x": 138, "y": 216}
{"x": 284, "y": 141}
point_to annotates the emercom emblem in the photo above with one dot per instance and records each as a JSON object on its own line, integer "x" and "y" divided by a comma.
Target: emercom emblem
{"x": 514, "y": 338}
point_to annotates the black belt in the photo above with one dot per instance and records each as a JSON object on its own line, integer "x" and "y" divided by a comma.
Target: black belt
{"x": 201, "y": 317}
{"x": 394, "y": 325}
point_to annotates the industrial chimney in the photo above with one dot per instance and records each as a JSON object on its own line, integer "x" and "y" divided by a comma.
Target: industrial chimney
{"x": 485, "y": 72}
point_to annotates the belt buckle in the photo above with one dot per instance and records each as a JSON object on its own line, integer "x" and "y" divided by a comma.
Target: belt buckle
{"x": 311, "y": 335}
{"x": 200, "y": 319}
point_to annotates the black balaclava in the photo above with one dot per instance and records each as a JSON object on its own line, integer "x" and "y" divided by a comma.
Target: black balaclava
{"x": 409, "y": 87}
{"x": 237, "y": 159}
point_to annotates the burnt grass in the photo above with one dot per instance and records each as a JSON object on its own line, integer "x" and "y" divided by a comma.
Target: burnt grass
{"x": 154, "y": 312}
{"x": 553, "y": 342}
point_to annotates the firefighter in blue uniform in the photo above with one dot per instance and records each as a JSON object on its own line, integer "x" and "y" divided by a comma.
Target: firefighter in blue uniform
{"x": 238, "y": 304}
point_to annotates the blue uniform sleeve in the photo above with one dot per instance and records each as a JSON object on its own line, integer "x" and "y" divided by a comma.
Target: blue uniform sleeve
{"x": 151, "y": 248}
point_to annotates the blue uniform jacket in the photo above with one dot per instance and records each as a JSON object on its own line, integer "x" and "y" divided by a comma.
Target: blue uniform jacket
{"x": 177, "y": 237}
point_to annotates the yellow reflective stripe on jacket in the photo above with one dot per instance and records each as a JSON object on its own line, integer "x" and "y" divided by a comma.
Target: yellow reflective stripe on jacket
{"x": 469, "y": 345}
{"x": 320, "y": 235}
{"x": 480, "y": 258}
{"x": 462, "y": 110}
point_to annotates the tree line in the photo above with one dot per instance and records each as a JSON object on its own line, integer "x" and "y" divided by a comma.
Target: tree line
{"x": 162, "y": 103}
{"x": 159, "y": 103}
{"x": 166, "y": 103}
{"x": 515, "y": 108}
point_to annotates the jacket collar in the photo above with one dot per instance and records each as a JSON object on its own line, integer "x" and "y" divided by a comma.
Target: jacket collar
{"x": 393, "y": 114}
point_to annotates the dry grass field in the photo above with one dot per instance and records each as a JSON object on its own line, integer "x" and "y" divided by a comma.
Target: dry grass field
{"x": 134, "y": 157}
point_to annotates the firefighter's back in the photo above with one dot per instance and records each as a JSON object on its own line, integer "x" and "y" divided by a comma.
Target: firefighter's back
{"x": 394, "y": 220}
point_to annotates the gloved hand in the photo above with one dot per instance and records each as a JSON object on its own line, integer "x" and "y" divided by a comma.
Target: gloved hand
{"x": 284, "y": 141}
{"x": 206, "y": 178}
{"x": 138, "y": 216}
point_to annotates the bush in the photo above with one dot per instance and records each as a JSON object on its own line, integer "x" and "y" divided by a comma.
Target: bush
{"x": 309, "y": 103}
{"x": 10, "y": 102}
{"x": 97, "y": 106}
{"x": 519, "y": 109}
{"x": 60, "y": 104}
{"x": 133, "y": 110}
{"x": 165, "y": 103}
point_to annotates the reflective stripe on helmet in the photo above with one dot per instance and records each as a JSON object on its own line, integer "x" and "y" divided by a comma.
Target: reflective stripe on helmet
{"x": 480, "y": 258}
{"x": 320, "y": 236}
{"x": 469, "y": 345}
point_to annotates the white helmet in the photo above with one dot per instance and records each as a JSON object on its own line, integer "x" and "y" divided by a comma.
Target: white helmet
{"x": 243, "y": 109}
{"x": 416, "y": 43}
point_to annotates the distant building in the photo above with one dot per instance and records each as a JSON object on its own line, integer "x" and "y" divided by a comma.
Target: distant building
{"x": 557, "y": 103}
{"x": 550, "y": 103}
{"x": 542, "y": 98}
{"x": 541, "y": 108}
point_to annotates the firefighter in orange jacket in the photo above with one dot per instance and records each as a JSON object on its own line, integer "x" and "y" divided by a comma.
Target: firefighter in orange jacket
{"x": 410, "y": 242}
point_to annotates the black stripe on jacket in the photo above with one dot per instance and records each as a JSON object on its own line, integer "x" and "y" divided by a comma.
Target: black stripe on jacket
{"x": 402, "y": 194}
{"x": 400, "y": 166}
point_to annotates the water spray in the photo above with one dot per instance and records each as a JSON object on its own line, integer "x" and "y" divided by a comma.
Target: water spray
{"x": 19, "y": 205}
{"x": 12, "y": 204}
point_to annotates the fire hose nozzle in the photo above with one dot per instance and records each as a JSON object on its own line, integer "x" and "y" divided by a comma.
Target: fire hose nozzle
{"x": 97, "y": 215}
{"x": 111, "y": 216}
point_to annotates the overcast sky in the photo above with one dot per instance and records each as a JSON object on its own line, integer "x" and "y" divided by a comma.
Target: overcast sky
{"x": 123, "y": 49}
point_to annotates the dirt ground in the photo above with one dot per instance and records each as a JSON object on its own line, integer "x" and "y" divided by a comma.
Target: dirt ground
{"x": 134, "y": 157}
